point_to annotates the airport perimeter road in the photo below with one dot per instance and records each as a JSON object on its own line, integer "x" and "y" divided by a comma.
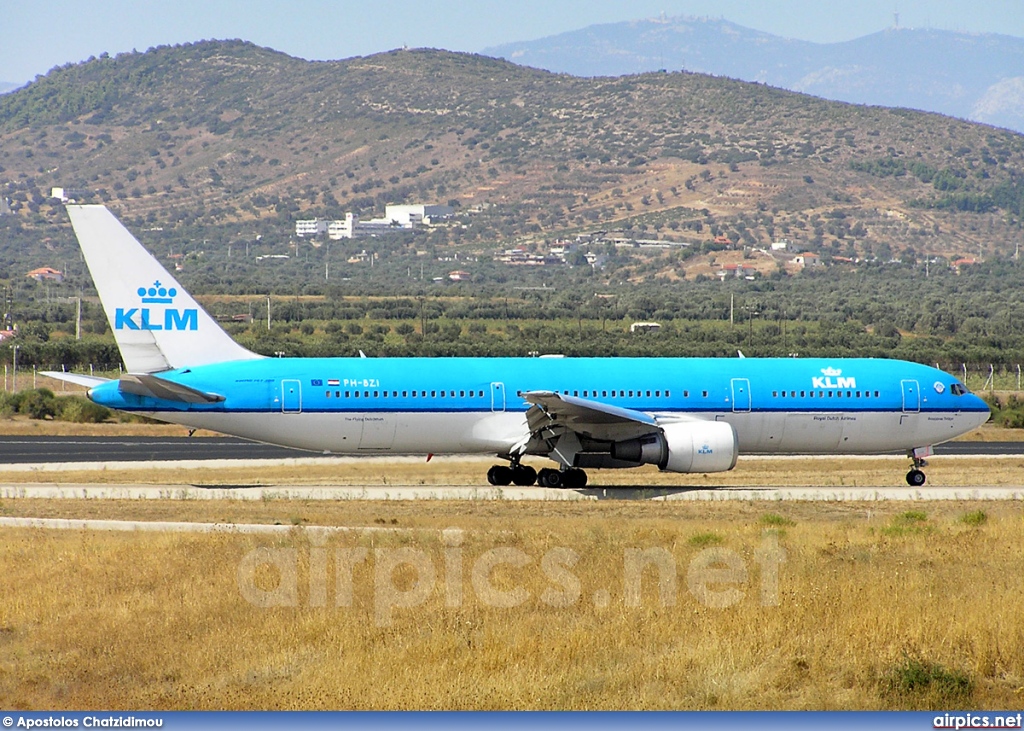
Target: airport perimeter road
{"x": 44, "y": 450}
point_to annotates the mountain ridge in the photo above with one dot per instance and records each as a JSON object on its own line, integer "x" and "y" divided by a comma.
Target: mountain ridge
{"x": 227, "y": 132}
{"x": 933, "y": 70}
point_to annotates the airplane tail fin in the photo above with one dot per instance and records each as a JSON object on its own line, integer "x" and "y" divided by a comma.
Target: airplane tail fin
{"x": 158, "y": 326}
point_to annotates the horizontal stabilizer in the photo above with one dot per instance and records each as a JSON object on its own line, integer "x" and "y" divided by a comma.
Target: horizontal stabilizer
{"x": 143, "y": 384}
{"x": 76, "y": 378}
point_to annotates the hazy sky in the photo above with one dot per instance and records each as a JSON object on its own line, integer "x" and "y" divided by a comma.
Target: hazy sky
{"x": 36, "y": 36}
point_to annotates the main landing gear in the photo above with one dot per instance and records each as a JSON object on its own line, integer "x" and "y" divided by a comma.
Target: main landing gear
{"x": 523, "y": 475}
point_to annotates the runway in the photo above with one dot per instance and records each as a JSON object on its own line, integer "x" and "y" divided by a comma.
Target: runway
{"x": 498, "y": 494}
{"x": 49, "y": 450}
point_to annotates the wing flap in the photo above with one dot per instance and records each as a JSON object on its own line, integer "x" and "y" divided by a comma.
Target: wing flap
{"x": 588, "y": 418}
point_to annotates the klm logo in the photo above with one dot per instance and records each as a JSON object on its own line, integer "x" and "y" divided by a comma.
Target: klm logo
{"x": 705, "y": 450}
{"x": 156, "y": 318}
{"x": 832, "y": 378}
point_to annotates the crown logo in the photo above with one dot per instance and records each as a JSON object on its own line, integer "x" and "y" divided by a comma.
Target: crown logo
{"x": 157, "y": 294}
{"x": 831, "y": 372}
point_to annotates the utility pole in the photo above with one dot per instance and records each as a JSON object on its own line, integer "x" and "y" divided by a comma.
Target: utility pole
{"x": 78, "y": 318}
{"x": 268, "y": 313}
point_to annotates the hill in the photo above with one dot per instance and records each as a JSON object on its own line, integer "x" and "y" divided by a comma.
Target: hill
{"x": 971, "y": 76}
{"x": 225, "y": 133}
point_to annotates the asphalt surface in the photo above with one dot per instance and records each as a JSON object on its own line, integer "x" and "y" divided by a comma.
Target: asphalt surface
{"x": 44, "y": 450}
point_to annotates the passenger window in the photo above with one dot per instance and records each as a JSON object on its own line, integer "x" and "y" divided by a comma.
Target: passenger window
{"x": 356, "y": 394}
{"x": 657, "y": 394}
{"x": 462, "y": 394}
{"x": 775, "y": 394}
{"x": 337, "y": 394}
{"x": 783, "y": 394}
{"x": 704, "y": 394}
{"x": 328, "y": 394}
{"x": 686, "y": 394}
{"x": 406, "y": 393}
{"x": 876, "y": 394}
{"x": 802, "y": 394}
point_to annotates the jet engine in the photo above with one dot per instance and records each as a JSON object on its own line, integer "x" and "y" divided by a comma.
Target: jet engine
{"x": 684, "y": 446}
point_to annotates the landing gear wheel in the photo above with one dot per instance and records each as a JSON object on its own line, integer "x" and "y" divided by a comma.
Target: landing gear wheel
{"x": 499, "y": 475}
{"x": 549, "y": 478}
{"x": 574, "y": 479}
{"x": 915, "y": 478}
{"x": 523, "y": 475}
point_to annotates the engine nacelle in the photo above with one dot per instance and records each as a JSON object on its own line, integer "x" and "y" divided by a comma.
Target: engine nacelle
{"x": 684, "y": 446}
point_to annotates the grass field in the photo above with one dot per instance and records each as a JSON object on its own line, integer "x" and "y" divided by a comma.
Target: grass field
{"x": 508, "y": 606}
{"x": 397, "y": 471}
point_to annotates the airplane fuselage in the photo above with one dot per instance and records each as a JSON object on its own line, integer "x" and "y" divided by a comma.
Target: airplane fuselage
{"x": 476, "y": 405}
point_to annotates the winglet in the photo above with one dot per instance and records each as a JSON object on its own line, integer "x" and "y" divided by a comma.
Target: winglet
{"x": 158, "y": 326}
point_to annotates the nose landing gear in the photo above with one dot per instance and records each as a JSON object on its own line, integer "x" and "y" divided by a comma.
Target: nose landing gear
{"x": 916, "y": 478}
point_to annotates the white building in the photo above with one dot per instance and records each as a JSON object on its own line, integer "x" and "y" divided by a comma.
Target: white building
{"x": 408, "y": 216}
{"x": 311, "y": 227}
{"x": 353, "y": 228}
{"x": 395, "y": 217}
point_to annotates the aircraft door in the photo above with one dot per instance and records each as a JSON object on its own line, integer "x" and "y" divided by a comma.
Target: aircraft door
{"x": 291, "y": 396}
{"x": 740, "y": 394}
{"x": 497, "y": 397}
{"x": 911, "y": 397}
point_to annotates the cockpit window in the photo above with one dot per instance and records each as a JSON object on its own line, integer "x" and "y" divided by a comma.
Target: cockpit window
{"x": 958, "y": 389}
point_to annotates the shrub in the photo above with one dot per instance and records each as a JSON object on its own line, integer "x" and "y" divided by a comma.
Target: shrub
{"x": 81, "y": 410}
{"x": 930, "y": 684}
{"x": 776, "y": 520}
{"x": 701, "y": 540}
{"x": 38, "y": 403}
{"x": 974, "y": 518}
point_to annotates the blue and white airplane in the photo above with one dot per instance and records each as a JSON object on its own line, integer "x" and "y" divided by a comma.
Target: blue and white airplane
{"x": 681, "y": 414}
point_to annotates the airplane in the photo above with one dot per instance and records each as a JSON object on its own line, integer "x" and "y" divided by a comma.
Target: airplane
{"x": 685, "y": 415}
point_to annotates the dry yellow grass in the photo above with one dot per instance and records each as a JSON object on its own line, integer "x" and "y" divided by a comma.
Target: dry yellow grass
{"x": 397, "y": 471}
{"x": 140, "y": 620}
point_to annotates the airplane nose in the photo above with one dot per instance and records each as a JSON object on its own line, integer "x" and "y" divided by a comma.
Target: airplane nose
{"x": 980, "y": 409}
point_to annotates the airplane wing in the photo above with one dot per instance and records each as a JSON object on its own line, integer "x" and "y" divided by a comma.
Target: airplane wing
{"x": 77, "y": 378}
{"x": 587, "y": 418}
